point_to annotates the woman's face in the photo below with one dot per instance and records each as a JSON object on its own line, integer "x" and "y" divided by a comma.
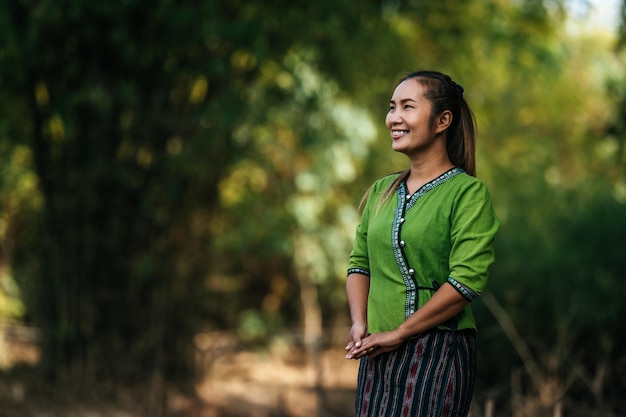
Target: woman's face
{"x": 409, "y": 119}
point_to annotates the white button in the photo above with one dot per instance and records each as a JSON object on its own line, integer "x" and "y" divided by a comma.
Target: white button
{"x": 408, "y": 196}
{"x": 402, "y": 243}
{"x": 411, "y": 271}
{"x": 401, "y": 219}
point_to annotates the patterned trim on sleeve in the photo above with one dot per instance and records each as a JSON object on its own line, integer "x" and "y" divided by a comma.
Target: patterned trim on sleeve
{"x": 467, "y": 293}
{"x": 358, "y": 271}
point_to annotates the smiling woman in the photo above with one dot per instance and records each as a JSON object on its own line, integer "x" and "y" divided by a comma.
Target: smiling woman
{"x": 421, "y": 254}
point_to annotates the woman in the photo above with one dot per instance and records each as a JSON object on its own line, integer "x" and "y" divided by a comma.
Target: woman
{"x": 420, "y": 256}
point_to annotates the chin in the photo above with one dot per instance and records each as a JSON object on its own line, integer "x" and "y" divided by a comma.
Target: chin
{"x": 398, "y": 148}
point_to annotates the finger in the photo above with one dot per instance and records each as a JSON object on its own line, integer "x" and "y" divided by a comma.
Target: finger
{"x": 375, "y": 352}
{"x": 350, "y": 354}
{"x": 381, "y": 349}
{"x": 359, "y": 352}
{"x": 356, "y": 352}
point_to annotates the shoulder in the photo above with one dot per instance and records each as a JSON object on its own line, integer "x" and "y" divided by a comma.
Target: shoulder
{"x": 464, "y": 182}
{"x": 466, "y": 191}
{"x": 464, "y": 179}
{"x": 384, "y": 182}
{"x": 378, "y": 188}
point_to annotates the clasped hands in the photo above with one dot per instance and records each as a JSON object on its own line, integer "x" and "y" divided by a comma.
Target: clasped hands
{"x": 362, "y": 343}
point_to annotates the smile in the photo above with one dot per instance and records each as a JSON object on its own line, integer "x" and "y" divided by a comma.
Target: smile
{"x": 398, "y": 133}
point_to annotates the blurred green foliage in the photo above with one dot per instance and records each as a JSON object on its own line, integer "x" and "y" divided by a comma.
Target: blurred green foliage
{"x": 196, "y": 166}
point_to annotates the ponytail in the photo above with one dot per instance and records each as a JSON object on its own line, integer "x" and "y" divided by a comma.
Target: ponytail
{"x": 460, "y": 139}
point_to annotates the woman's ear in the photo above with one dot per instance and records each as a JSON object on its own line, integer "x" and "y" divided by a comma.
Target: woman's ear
{"x": 443, "y": 121}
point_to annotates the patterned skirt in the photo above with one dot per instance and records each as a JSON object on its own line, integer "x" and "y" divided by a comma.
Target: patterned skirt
{"x": 431, "y": 375}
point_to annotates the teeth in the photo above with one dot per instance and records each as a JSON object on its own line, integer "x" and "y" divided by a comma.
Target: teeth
{"x": 398, "y": 133}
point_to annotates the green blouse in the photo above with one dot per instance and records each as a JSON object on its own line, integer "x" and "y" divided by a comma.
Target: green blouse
{"x": 413, "y": 244}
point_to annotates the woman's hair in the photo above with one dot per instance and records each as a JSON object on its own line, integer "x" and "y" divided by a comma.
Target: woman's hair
{"x": 444, "y": 94}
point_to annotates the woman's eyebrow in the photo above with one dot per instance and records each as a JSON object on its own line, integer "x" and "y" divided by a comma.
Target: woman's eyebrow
{"x": 404, "y": 100}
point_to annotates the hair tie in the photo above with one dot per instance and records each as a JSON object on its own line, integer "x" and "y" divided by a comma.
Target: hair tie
{"x": 459, "y": 89}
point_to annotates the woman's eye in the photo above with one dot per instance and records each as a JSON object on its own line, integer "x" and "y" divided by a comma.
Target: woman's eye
{"x": 408, "y": 106}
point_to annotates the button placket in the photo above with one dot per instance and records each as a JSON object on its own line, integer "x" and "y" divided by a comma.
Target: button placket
{"x": 407, "y": 272}
{"x": 405, "y": 201}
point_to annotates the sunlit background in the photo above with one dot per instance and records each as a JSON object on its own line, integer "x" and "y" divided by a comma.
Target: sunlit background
{"x": 179, "y": 188}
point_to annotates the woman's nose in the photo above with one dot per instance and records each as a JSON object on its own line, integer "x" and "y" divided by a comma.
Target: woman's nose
{"x": 393, "y": 118}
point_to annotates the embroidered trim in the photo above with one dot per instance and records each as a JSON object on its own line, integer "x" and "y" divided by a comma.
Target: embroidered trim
{"x": 358, "y": 271}
{"x": 453, "y": 172}
{"x": 410, "y": 304}
{"x": 468, "y": 293}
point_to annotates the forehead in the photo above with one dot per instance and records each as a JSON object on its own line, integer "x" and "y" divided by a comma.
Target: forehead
{"x": 408, "y": 89}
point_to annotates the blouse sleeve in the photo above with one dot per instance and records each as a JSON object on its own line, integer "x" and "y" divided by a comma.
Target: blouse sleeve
{"x": 473, "y": 229}
{"x": 359, "y": 257}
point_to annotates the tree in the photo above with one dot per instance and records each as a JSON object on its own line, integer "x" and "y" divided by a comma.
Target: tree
{"x": 129, "y": 118}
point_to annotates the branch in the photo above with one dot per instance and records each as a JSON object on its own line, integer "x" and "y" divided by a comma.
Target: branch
{"x": 518, "y": 342}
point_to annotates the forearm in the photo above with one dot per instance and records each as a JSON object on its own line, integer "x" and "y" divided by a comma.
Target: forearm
{"x": 444, "y": 304}
{"x": 357, "y": 291}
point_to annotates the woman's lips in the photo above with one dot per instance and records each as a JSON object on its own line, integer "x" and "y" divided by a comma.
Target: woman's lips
{"x": 395, "y": 134}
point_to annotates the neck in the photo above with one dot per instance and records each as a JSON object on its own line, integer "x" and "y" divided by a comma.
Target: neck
{"x": 425, "y": 170}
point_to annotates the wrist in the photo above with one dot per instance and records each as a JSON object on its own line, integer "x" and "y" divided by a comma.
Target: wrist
{"x": 359, "y": 323}
{"x": 358, "y": 319}
{"x": 403, "y": 333}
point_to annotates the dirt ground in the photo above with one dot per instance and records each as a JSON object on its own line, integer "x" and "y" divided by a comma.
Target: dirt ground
{"x": 256, "y": 385}
{"x": 279, "y": 381}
